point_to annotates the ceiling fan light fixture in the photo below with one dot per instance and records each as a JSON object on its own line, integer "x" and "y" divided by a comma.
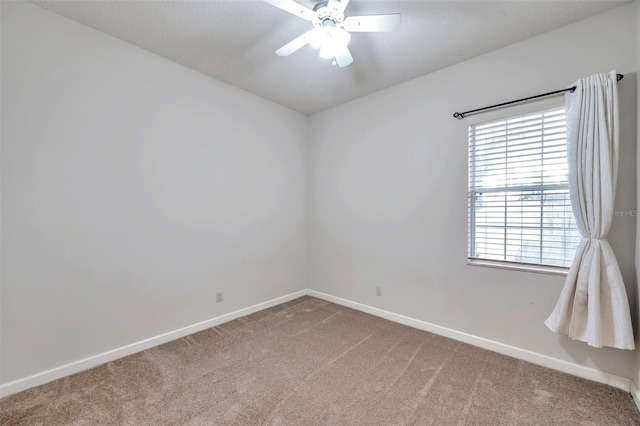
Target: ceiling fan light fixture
{"x": 327, "y": 52}
{"x": 334, "y": 40}
{"x": 317, "y": 37}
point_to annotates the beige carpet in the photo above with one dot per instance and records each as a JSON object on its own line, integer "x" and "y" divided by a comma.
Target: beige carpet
{"x": 309, "y": 362}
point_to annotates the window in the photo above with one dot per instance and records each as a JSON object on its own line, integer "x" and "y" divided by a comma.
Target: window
{"x": 519, "y": 206}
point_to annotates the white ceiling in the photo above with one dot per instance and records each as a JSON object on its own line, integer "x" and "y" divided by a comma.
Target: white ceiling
{"x": 234, "y": 40}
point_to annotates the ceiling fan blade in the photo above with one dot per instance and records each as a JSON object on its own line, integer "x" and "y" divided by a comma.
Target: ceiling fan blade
{"x": 293, "y": 8}
{"x": 343, "y": 57}
{"x": 373, "y": 23}
{"x": 294, "y": 44}
{"x": 339, "y": 5}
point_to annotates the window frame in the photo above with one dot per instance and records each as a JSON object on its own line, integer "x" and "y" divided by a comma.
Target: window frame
{"x": 495, "y": 115}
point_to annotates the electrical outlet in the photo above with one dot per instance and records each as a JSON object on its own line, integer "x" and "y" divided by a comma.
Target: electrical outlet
{"x": 378, "y": 291}
{"x": 219, "y": 297}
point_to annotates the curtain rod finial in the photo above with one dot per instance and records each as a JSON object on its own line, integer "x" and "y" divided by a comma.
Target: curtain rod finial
{"x": 458, "y": 115}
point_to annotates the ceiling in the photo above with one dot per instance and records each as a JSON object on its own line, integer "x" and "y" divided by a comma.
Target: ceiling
{"x": 235, "y": 40}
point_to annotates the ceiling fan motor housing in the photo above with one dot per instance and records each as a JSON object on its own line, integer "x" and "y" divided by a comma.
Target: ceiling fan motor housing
{"x": 327, "y": 16}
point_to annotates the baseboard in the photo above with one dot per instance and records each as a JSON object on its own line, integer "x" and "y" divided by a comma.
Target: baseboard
{"x": 512, "y": 351}
{"x": 96, "y": 360}
{"x": 523, "y": 354}
{"x": 635, "y": 393}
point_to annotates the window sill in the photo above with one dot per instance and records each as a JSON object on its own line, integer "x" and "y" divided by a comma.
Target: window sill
{"x": 538, "y": 269}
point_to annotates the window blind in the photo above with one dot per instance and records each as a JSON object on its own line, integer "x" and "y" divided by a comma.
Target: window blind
{"x": 519, "y": 206}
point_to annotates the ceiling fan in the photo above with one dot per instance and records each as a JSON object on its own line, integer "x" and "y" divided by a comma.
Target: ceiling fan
{"x": 331, "y": 30}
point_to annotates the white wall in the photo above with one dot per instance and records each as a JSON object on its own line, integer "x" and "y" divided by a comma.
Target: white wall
{"x": 636, "y": 376}
{"x": 133, "y": 190}
{"x": 388, "y": 205}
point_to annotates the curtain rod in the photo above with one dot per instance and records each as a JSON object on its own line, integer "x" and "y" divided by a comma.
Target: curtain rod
{"x": 460, "y": 115}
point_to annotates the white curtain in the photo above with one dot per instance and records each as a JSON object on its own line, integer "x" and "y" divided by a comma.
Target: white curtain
{"x": 593, "y": 305}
